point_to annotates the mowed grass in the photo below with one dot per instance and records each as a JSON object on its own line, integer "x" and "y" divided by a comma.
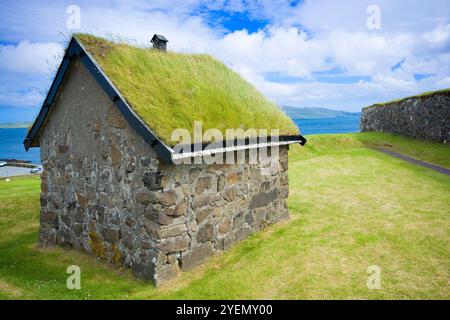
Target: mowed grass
{"x": 170, "y": 90}
{"x": 351, "y": 207}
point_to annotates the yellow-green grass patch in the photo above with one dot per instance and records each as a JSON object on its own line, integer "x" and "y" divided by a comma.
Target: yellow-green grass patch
{"x": 351, "y": 207}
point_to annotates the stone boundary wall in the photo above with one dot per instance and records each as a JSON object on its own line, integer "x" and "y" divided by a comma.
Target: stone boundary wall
{"x": 104, "y": 191}
{"x": 422, "y": 117}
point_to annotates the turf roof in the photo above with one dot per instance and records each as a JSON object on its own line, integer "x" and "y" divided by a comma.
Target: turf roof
{"x": 420, "y": 95}
{"x": 169, "y": 90}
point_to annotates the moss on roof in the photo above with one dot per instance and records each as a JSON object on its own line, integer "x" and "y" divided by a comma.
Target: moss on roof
{"x": 420, "y": 95}
{"x": 171, "y": 90}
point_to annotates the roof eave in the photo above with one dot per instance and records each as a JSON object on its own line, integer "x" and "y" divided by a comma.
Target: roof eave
{"x": 237, "y": 146}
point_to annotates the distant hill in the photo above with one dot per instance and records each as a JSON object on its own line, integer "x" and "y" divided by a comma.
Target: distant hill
{"x": 14, "y": 125}
{"x": 317, "y": 113}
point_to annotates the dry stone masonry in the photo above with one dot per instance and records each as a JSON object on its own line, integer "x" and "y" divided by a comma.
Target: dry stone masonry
{"x": 105, "y": 192}
{"x": 423, "y": 117}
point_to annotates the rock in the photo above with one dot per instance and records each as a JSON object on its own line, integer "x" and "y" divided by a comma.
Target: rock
{"x": 265, "y": 186}
{"x": 166, "y": 198}
{"x": 97, "y": 126}
{"x": 263, "y": 199}
{"x": 63, "y": 148}
{"x": 205, "y": 232}
{"x": 159, "y": 216}
{"x": 226, "y": 242}
{"x": 151, "y": 228}
{"x": 99, "y": 212}
{"x": 180, "y": 208}
{"x": 284, "y": 192}
{"x": 220, "y": 182}
{"x": 144, "y": 197}
{"x": 144, "y": 162}
{"x": 196, "y": 256}
{"x": 172, "y": 258}
{"x": 174, "y": 244}
{"x": 171, "y": 231}
{"x": 130, "y": 222}
{"x": 115, "y": 119}
{"x": 202, "y": 214}
{"x": 82, "y": 200}
{"x": 144, "y": 271}
{"x": 152, "y": 180}
{"x": 106, "y": 176}
{"x": 127, "y": 240}
{"x": 234, "y": 178}
{"x": 63, "y": 238}
{"x": 44, "y": 186}
{"x": 77, "y": 229}
{"x": 79, "y": 215}
{"x": 284, "y": 165}
{"x": 203, "y": 184}
{"x": 67, "y": 220}
{"x": 166, "y": 272}
{"x": 131, "y": 165}
{"x": 110, "y": 235}
{"x": 229, "y": 193}
{"x": 238, "y": 220}
{"x": 204, "y": 200}
{"x": 49, "y": 219}
{"x": 193, "y": 174}
{"x": 116, "y": 155}
{"x": 243, "y": 233}
{"x": 225, "y": 226}
{"x": 284, "y": 179}
{"x": 105, "y": 200}
{"x": 249, "y": 219}
{"x": 47, "y": 237}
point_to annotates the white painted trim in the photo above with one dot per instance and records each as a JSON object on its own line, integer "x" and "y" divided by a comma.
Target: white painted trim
{"x": 180, "y": 156}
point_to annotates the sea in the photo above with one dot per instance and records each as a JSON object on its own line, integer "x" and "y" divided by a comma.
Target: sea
{"x": 11, "y": 139}
{"x": 11, "y": 146}
{"x": 340, "y": 124}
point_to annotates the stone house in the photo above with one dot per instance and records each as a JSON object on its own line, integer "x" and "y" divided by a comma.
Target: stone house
{"x": 110, "y": 186}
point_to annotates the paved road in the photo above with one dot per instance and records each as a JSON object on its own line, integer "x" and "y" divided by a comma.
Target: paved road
{"x": 8, "y": 171}
{"x": 415, "y": 161}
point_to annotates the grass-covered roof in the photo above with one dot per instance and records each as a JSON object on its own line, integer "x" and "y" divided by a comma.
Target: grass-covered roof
{"x": 169, "y": 90}
{"x": 420, "y": 95}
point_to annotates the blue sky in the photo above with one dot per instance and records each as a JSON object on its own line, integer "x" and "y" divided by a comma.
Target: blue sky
{"x": 317, "y": 53}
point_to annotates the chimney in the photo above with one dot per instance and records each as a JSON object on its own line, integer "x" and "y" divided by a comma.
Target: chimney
{"x": 159, "y": 42}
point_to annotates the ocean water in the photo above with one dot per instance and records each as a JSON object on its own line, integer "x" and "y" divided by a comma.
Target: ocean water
{"x": 11, "y": 140}
{"x": 11, "y": 146}
{"x": 344, "y": 124}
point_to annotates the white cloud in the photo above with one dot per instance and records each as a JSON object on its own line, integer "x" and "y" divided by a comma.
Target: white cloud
{"x": 29, "y": 98}
{"x": 30, "y": 58}
{"x": 314, "y": 37}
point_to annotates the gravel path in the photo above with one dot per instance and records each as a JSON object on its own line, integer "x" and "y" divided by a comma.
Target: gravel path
{"x": 415, "y": 161}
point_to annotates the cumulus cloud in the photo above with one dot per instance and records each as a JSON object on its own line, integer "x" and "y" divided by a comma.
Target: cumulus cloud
{"x": 310, "y": 53}
{"x": 30, "y": 58}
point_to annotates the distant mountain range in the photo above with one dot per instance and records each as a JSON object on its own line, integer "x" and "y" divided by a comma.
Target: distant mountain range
{"x": 14, "y": 125}
{"x": 317, "y": 113}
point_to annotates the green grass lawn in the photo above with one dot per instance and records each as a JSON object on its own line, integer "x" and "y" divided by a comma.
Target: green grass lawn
{"x": 351, "y": 207}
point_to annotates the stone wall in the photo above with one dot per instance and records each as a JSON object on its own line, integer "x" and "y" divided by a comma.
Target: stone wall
{"x": 425, "y": 118}
{"x": 105, "y": 192}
